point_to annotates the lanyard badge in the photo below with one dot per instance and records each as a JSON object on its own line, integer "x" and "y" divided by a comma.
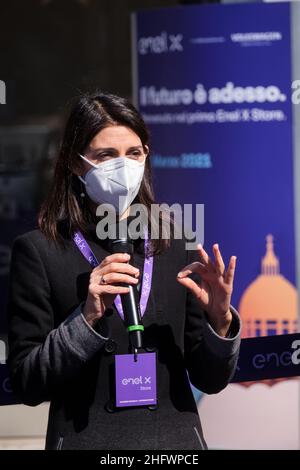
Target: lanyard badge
{"x": 135, "y": 380}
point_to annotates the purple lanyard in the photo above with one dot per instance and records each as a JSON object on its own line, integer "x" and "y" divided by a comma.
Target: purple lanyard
{"x": 86, "y": 251}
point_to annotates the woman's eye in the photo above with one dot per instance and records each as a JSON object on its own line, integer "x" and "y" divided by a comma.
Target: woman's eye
{"x": 104, "y": 155}
{"x": 136, "y": 153}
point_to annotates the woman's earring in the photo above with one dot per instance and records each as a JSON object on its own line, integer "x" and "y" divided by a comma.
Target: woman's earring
{"x": 82, "y": 195}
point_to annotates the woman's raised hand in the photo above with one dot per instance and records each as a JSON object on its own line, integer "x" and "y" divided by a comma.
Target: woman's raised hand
{"x": 215, "y": 289}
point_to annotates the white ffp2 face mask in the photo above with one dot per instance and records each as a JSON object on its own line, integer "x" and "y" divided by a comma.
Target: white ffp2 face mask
{"x": 116, "y": 182}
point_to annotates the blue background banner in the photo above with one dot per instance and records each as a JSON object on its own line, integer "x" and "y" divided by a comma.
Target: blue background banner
{"x": 214, "y": 85}
{"x": 269, "y": 357}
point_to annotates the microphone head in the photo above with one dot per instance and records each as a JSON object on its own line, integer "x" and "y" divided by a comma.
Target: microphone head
{"x": 119, "y": 239}
{"x": 121, "y": 245}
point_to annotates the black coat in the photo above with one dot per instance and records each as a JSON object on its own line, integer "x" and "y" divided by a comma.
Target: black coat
{"x": 54, "y": 355}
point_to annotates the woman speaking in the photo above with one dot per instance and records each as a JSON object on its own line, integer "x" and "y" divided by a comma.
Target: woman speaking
{"x": 115, "y": 382}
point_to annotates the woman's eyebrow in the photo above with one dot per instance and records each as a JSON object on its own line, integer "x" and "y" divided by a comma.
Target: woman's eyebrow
{"x": 136, "y": 147}
{"x": 105, "y": 149}
{"x": 112, "y": 149}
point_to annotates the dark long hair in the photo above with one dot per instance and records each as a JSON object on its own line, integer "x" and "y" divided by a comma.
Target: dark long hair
{"x": 90, "y": 114}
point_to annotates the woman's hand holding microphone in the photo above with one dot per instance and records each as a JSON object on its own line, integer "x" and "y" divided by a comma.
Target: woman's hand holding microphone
{"x": 106, "y": 283}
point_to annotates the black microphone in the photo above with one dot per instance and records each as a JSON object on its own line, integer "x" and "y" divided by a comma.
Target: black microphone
{"x": 130, "y": 301}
